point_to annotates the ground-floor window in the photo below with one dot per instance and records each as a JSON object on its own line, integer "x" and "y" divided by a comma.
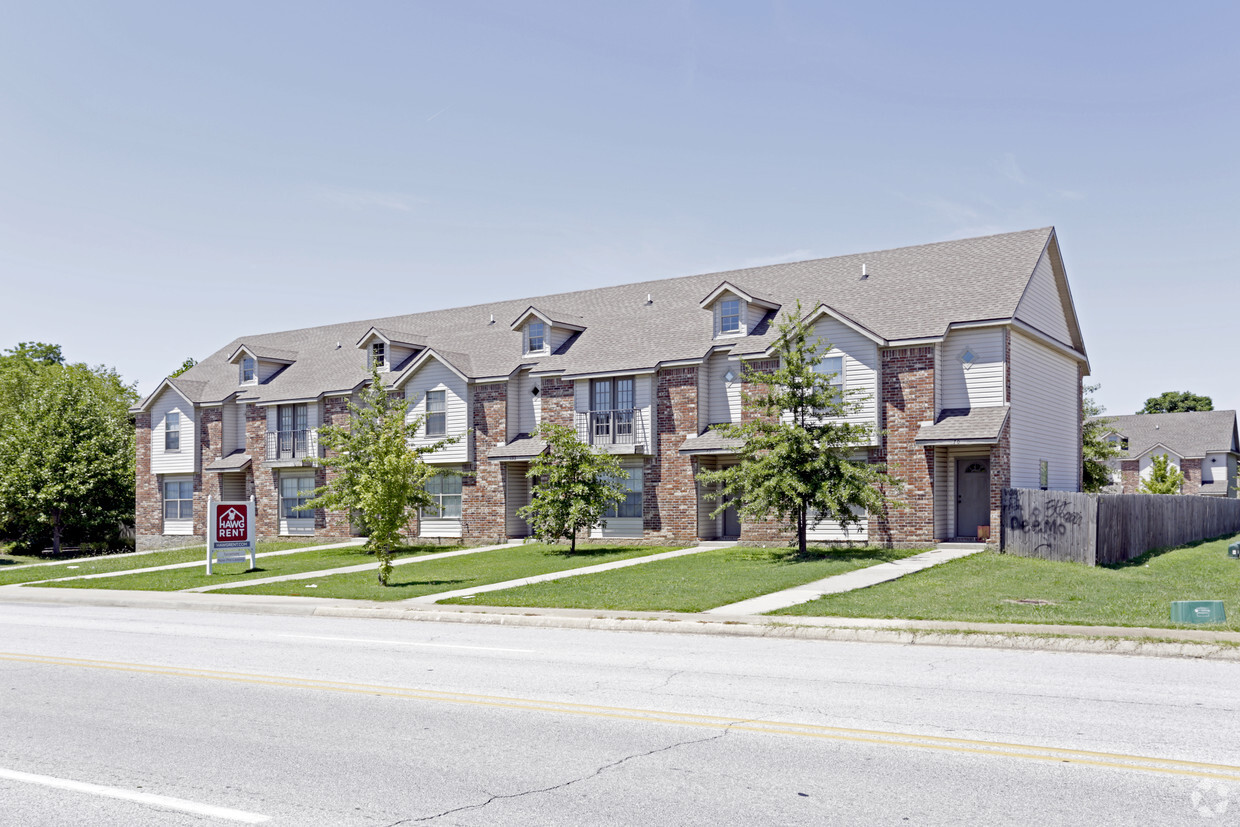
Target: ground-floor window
{"x": 631, "y": 505}
{"x": 178, "y": 493}
{"x": 445, "y": 490}
{"x": 295, "y": 491}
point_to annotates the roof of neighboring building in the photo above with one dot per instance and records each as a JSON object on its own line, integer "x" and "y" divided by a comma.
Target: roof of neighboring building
{"x": 236, "y": 461}
{"x": 955, "y": 426}
{"x": 711, "y": 442}
{"x": 909, "y": 293}
{"x": 522, "y": 446}
{"x": 1218, "y": 488}
{"x": 1190, "y": 434}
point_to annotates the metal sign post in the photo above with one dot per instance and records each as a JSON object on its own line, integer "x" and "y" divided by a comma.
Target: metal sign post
{"x": 231, "y": 533}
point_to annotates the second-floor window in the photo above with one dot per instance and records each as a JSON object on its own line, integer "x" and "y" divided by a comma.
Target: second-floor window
{"x": 730, "y": 316}
{"x": 537, "y": 337}
{"x": 172, "y": 432}
{"x": 833, "y": 367}
{"x": 292, "y": 430}
{"x": 436, "y": 413}
{"x": 378, "y": 355}
{"x": 247, "y": 370}
{"x": 611, "y": 409}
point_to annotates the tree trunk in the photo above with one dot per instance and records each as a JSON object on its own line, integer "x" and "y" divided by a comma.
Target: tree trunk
{"x": 801, "y": 538}
{"x": 56, "y": 532}
{"x": 573, "y": 543}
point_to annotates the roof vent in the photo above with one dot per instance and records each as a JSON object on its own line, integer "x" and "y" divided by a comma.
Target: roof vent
{"x": 337, "y": 345}
{"x": 649, "y": 299}
{"x": 492, "y": 319}
{"x": 864, "y": 275}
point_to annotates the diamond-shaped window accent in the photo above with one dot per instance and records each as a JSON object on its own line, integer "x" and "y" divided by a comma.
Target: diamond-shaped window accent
{"x": 968, "y": 358}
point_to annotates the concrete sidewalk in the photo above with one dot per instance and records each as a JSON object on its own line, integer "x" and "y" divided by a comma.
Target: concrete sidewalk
{"x": 849, "y": 581}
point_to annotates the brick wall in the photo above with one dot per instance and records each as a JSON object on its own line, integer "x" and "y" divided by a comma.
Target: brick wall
{"x": 1191, "y": 469}
{"x": 669, "y": 493}
{"x": 265, "y": 486}
{"x": 333, "y": 523}
{"x": 148, "y": 504}
{"x": 1130, "y": 472}
{"x": 753, "y": 384}
{"x": 907, "y": 395}
{"x": 482, "y": 493}
{"x": 557, "y": 401}
{"x": 1000, "y": 478}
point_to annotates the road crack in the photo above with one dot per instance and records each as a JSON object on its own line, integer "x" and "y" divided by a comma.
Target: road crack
{"x": 594, "y": 774}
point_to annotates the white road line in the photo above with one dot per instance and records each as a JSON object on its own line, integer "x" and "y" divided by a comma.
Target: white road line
{"x": 410, "y": 643}
{"x": 167, "y": 802}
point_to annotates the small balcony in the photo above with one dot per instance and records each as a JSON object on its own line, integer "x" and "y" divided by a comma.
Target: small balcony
{"x": 620, "y": 431}
{"x": 292, "y": 446}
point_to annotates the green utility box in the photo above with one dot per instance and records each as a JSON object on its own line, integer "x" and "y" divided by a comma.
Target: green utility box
{"x": 1233, "y": 550}
{"x": 1198, "y": 611}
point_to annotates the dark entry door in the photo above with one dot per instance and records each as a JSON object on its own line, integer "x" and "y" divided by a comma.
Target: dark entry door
{"x": 972, "y": 495}
{"x": 731, "y": 520}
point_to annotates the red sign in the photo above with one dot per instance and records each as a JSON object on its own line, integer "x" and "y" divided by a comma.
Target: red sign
{"x": 230, "y": 524}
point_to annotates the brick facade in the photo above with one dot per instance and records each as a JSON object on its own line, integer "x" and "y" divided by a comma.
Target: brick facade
{"x": 906, "y": 383}
{"x": 669, "y": 492}
{"x": 1191, "y": 469}
{"x": 149, "y": 506}
{"x": 482, "y": 491}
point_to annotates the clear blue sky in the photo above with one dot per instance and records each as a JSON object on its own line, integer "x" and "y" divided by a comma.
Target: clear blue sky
{"x": 174, "y": 175}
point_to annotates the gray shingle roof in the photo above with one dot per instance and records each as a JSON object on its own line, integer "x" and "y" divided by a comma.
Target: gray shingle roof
{"x": 1218, "y": 488}
{"x": 235, "y": 461}
{"x": 523, "y": 446}
{"x": 1192, "y": 434}
{"x": 911, "y": 292}
{"x": 964, "y": 425}
{"x": 711, "y": 442}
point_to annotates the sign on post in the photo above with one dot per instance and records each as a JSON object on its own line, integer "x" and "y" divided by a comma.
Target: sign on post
{"x": 231, "y": 537}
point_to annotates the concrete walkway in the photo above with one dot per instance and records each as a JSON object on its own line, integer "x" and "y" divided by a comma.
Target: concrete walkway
{"x": 311, "y": 575}
{"x": 560, "y": 575}
{"x": 849, "y": 581}
{"x": 189, "y": 565}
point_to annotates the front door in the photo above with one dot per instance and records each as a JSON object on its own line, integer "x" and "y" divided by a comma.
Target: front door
{"x": 731, "y": 520}
{"x": 972, "y": 495}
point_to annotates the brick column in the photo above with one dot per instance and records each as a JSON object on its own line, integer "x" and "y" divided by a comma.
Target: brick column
{"x": 263, "y": 479}
{"x": 1191, "y": 469}
{"x": 482, "y": 493}
{"x": 766, "y": 531}
{"x": 148, "y": 500}
{"x": 669, "y": 494}
{"x": 1000, "y": 478}
{"x": 334, "y": 523}
{"x": 907, "y": 383}
{"x": 1130, "y": 473}
{"x": 557, "y": 403}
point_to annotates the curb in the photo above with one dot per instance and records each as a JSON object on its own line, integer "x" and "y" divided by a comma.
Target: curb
{"x": 1147, "y": 642}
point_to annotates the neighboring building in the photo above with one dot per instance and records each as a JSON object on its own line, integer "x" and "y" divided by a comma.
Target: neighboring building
{"x": 967, "y": 354}
{"x": 1202, "y": 444}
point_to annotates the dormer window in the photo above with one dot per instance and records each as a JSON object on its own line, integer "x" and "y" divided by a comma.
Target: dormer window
{"x": 378, "y": 355}
{"x": 537, "y": 337}
{"x": 730, "y": 316}
{"x": 247, "y": 370}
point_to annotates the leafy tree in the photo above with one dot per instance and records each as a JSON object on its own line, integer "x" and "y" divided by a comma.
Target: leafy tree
{"x": 380, "y": 475}
{"x": 1095, "y": 449}
{"x": 36, "y": 353}
{"x": 1164, "y": 477}
{"x": 796, "y": 461}
{"x": 576, "y": 486}
{"x": 66, "y": 452}
{"x": 1176, "y": 402}
{"x": 189, "y": 362}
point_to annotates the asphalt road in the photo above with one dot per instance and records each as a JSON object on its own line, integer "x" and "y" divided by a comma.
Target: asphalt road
{"x": 198, "y": 718}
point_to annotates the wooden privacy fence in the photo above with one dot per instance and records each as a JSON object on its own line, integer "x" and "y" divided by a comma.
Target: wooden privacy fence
{"x": 1100, "y": 529}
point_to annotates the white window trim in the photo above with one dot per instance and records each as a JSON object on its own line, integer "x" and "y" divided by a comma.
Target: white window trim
{"x": 742, "y": 317}
{"x": 426, "y": 411}
{"x": 379, "y": 356}
{"x": 546, "y": 336}
{"x": 169, "y": 431}
{"x": 253, "y": 380}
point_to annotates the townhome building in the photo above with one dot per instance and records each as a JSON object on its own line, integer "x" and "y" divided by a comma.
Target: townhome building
{"x": 1203, "y": 445}
{"x": 965, "y": 357}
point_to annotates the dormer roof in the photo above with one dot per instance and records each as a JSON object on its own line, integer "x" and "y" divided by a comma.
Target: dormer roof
{"x": 729, "y": 287}
{"x": 392, "y": 337}
{"x": 567, "y": 321}
{"x": 264, "y": 354}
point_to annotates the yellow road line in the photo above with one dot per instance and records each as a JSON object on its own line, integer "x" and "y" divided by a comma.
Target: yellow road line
{"x": 863, "y": 736}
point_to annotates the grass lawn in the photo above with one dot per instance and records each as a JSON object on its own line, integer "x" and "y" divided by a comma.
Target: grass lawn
{"x": 692, "y": 583}
{"x": 462, "y": 572}
{"x": 984, "y": 588}
{"x": 95, "y": 565}
{"x": 189, "y": 578}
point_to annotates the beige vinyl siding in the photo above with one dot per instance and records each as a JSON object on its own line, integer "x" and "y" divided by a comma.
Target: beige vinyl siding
{"x": 1218, "y": 467}
{"x": 753, "y": 316}
{"x": 232, "y": 422}
{"x": 938, "y": 380}
{"x": 581, "y": 395}
{"x": 516, "y": 495}
{"x": 184, "y": 460}
{"x": 557, "y": 336}
{"x": 722, "y": 401}
{"x": 1042, "y": 306}
{"x": 860, "y": 367}
{"x": 833, "y": 530}
{"x": 435, "y": 376}
{"x": 524, "y": 406}
{"x": 232, "y": 486}
{"x": 643, "y": 393}
{"x": 943, "y": 495}
{"x": 266, "y": 370}
{"x": 1045, "y": 404}
{"x": 981, "y": 385}
{"x": 397, "y": 355}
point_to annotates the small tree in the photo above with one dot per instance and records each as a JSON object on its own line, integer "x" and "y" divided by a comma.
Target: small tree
{"x": 796, "y": 458}
{"x": 575, "y": 486}
{"x": 1177, "y": 402}
{"x": 67, "y": 455}
{"x": 1096, "y": 450}
{"x": 380, "y": 474}
{"x": 1164, "y": 477}
{"x": 189, "y": 362}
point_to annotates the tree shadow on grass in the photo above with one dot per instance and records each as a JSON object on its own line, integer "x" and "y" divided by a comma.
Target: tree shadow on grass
{"x": 394, "y": 584}
{"x": 789, "y": 556}
{"x": 1159, "y": 552}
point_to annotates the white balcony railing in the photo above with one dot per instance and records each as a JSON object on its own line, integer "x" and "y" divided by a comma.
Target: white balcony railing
{"x": 624, "y": 426}
{"x": 302, "y": 443}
